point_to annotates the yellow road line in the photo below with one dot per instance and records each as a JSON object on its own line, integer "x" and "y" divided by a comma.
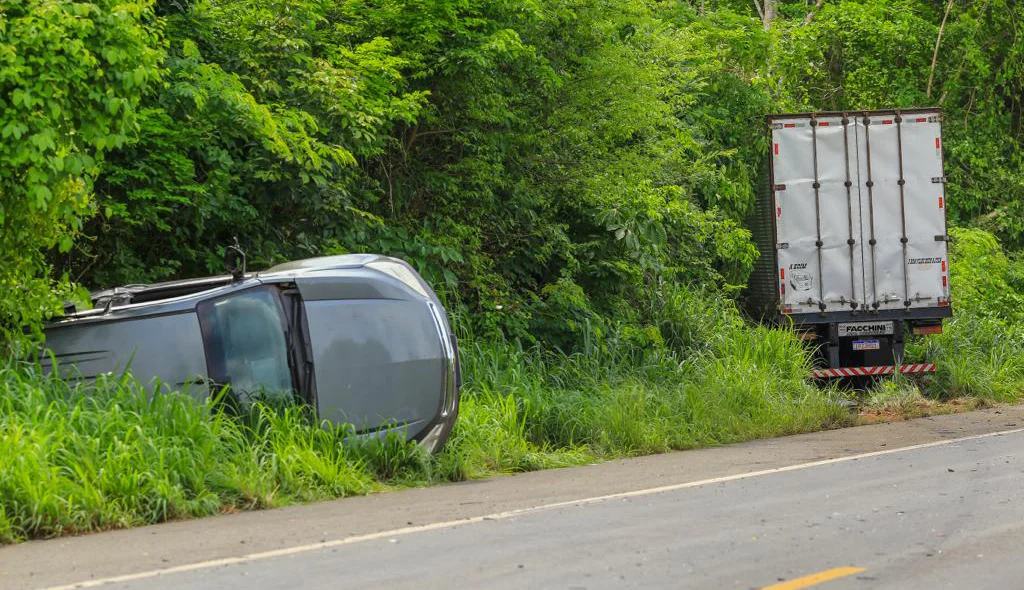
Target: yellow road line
{"x": 815, "y": 579}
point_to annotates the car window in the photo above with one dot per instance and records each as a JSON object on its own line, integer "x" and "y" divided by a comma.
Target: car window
{"x": 245, "y": 342}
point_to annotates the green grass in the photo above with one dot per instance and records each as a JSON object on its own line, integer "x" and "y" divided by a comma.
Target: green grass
{"x": 78, "y": 457}
{"x": 981, "y": 351}
{"x": 977, "y": 357}
{"x": 897, "y": 394}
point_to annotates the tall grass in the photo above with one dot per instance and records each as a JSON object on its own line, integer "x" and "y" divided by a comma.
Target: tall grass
{"x": 981, "y": 352}
{"x": 976, "y": 356}
{"x": 80, "y": 456}
{"x": 715, "y": 380}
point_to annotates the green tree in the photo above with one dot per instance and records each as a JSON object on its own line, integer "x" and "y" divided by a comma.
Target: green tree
{"x": 268, "y": 111}
{"x": 547, "y": 165}
{"x": 71, "y": 76}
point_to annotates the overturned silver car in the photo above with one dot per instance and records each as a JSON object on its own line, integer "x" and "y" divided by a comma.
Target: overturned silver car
{"x": 361, "y": 338}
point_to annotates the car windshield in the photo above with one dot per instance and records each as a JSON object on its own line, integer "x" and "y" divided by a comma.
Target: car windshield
{"x": 245, "y": 343}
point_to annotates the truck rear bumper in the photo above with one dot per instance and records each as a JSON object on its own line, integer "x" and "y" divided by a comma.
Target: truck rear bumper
{"x": 872, "y": 371}
{"x": 914, "y": 313}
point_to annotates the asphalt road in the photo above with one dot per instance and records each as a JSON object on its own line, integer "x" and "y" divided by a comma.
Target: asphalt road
{"x": 947, "y": 512}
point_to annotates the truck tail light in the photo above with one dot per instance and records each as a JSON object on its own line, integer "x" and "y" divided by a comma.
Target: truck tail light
{"x": 920, "y": 330}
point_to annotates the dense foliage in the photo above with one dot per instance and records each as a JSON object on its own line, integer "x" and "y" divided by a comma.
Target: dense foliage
{"x": 546, "y": 164}
{"x": 71, "y": 78}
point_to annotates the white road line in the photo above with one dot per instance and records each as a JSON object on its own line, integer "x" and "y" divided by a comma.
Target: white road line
{"x": 502, "y": 515}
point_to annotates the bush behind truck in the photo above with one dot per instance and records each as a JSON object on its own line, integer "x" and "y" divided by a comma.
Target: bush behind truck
{"x": 851, "y": 225}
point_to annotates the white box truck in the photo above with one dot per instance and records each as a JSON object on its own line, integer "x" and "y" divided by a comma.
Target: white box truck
{"x": 851, "y": 226}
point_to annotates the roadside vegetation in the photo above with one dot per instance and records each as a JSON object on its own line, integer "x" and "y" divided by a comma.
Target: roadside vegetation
{"x": 572, "y": 176}
{"x": 78, "y": 457}
{"x": 981, "y": 351}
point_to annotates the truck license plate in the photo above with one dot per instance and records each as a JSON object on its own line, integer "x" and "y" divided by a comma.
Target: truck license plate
{"x": 866, "y": 345}
{"x": 865, "y": 329}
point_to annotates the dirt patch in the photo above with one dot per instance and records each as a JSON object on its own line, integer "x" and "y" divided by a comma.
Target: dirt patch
{"x": 918, "y": 408}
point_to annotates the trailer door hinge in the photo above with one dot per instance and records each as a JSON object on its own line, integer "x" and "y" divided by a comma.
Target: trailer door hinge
{"x": 778, "y": 187}
{"x": 782, "y": 246}
{"x": 942, "y": 238}
{"x": 938, "y": 179}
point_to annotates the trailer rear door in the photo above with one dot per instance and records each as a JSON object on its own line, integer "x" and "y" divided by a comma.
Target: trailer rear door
{"x": 859, "y": 211}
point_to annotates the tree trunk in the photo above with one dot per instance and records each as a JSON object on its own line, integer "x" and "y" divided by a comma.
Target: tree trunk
{"x": 766, "y": 11}
{"x": 935, "y": 52}
{"x": 769, "y": 14}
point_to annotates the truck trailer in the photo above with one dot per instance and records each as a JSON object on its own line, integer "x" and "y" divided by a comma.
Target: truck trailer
{"x": 851, "y": 225}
